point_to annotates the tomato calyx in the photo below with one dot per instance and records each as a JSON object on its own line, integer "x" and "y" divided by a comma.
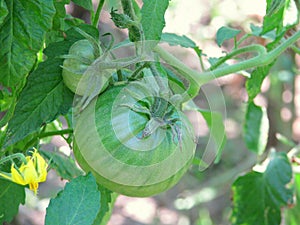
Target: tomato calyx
{"x": 161, "y": 113}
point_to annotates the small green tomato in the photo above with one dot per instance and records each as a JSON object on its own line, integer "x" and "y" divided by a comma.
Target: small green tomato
{"x": 81, "y": 56}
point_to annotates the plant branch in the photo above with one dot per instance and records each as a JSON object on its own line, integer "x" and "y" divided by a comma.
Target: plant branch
{"x": 295, "y": 49}
{"x": 96, "y": 18}
{"x": 138, "y": 70}
{"x": 251, "y": 48}
{"x": 197, "y": 79}
{"x": 11, "y": 157}
{"x": 57, "y": 132}
{"x": 101, "y": 63}
{"x": 128, "y": 9}
{"x": 243, "y": 39}
{"x": 162, "y": 86}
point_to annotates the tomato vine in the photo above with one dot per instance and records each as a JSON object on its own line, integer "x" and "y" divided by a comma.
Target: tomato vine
{"x": 125, "y": 118}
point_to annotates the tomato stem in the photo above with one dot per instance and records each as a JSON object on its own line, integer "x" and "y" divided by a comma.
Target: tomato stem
{"x": 162, "y": 86}
{"x": 120, "y": 75}
{"x": 96, "y": 17}
{"x": 252, "y": 48}
{"x": 128, "y": 9}
{"x": 197, "y": 79}
{"x": 57, "y": 132}
{"x": 138, "y": 70}
{"x": 295, "y": 49}
{"x": 101, "y": 64}
{"x": 11, "y": 157}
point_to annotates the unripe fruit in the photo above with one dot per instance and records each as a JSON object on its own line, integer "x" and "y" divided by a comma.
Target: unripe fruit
{"x": 81, "y": 56}
{"x": 109, "y": 142}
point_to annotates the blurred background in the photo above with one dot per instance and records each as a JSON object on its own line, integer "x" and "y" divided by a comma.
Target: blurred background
{"x": 201, "y": 197}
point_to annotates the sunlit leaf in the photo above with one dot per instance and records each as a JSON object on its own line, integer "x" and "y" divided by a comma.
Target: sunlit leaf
{"x": 77, "y": 204}
{"x": 259, "y": 197}
{"x": 253, "y": 84}
{"x": 174, "y": 39}
{"x": 153, "y": 20}
{"x": 22, "y": 36}
{"x": 256, "y": 128}
{"x": 226, "y": 33}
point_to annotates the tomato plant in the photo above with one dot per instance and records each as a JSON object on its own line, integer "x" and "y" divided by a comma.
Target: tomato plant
{"x": 126, "y": 119}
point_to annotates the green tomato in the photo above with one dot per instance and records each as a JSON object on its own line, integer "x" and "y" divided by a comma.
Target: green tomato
{"x": 132, "y": 144}
{"x": 81, "y": 55}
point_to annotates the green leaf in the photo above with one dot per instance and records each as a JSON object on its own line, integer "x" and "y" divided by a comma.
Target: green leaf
{"x": 275, "y": 6}
{"x": 259, "y": 197}
{"x": 136, "y": 9}
{"x": 60, "y": 14}
{"x": 280, "y": 16}
{"x": 257, "y": 31}
{"x": 87, "y": 4}
{"x": 153, "y": 21}
{"x": 108, "y": 199}
{"x": 41, "y": 101}
{"x": 3, "y": 11}
{"x": 6, "y": 99}
{"x": 22, "y": 36}
{"x": 174, "y": 39}
{"x": 129, "y": 19}
{"x": 226, "y": 33}
{"x": 256, "y": 128}
{"x": 72, "y": 35}
{"x": 11, "y": 196}
{"x": 183, "y": 41}
{"x": 77, "y": 204}
{"x": 63, "y": 165}
{"x": 253, "y": 84}
{"x": 274, "y": 16}
{"x": 62, "y": 22}
{"x": 121, "y": 20}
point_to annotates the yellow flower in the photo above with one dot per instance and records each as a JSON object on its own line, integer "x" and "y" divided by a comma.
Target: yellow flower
{"x": 32, "y": 172}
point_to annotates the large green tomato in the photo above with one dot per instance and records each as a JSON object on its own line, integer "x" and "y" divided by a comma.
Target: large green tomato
{"x": 134, "y": 141}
